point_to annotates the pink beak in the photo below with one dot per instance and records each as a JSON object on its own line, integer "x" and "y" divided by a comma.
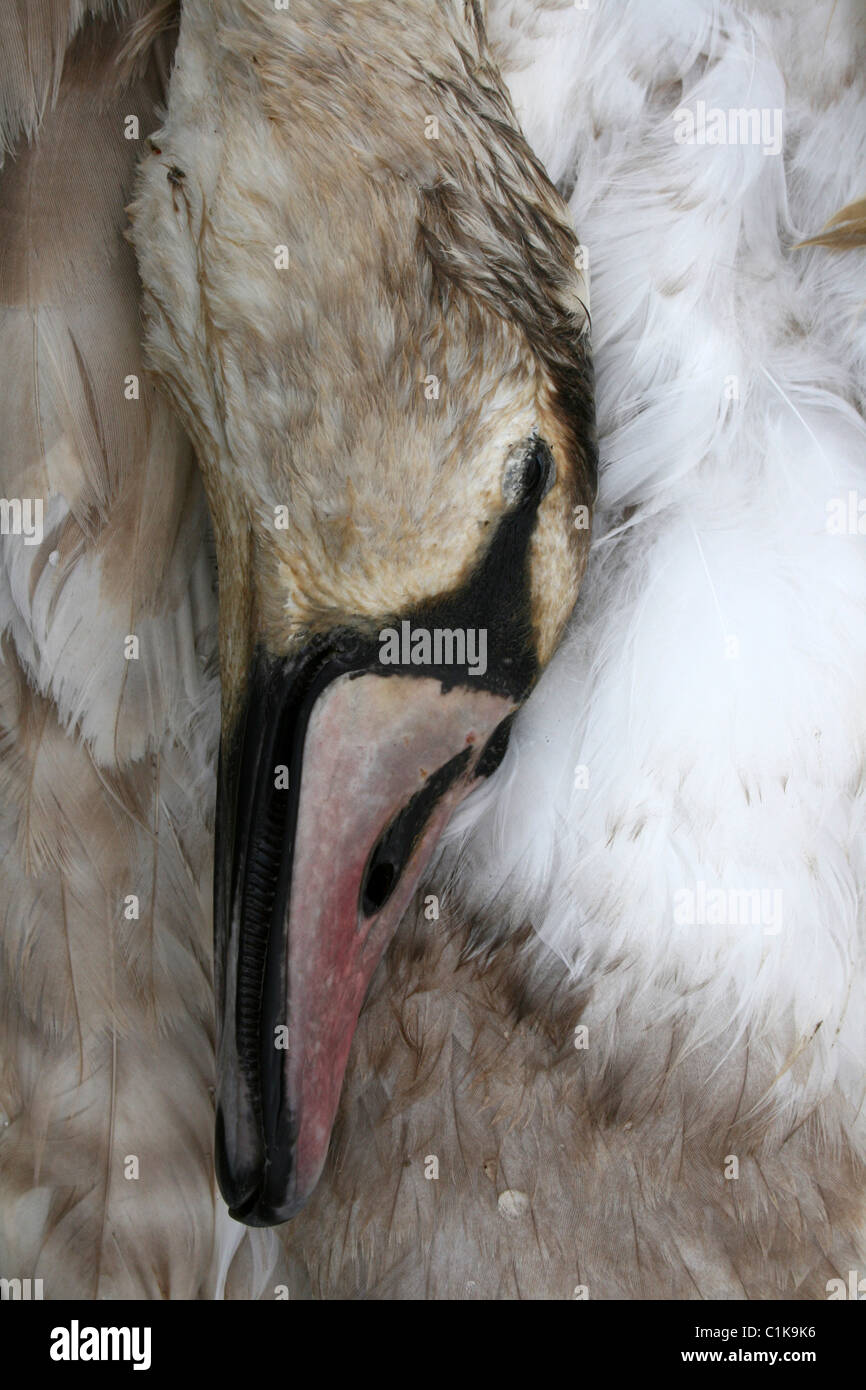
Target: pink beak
{"x": 322, "y": 872}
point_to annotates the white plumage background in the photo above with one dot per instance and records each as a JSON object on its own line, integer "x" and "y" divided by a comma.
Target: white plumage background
{"x": 712, "y": 679}
{"x": 701, "y": 729}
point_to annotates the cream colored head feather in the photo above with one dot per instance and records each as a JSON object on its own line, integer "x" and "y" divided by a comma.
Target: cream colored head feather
{"x": 362, "y": 293}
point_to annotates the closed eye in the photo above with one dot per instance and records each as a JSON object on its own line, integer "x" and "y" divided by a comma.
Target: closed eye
{"x": 529, "y": 472}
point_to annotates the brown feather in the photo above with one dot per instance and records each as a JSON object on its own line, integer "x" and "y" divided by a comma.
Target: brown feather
{"x": 843, "y": 232}
{"x": 104, "y": 767}
{"x": 555, "y": 1171}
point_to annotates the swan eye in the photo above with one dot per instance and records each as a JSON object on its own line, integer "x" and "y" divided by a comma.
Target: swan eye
{"x": 529, "y": 472}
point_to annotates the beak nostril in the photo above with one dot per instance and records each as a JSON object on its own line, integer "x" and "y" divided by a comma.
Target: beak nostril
{"x": 378, "y": 884}
{"x": 396, "y": 844}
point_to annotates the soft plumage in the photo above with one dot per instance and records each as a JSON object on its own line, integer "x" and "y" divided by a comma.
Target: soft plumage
{"x": 106, "y": 783}
{"x": 701, "y": 725}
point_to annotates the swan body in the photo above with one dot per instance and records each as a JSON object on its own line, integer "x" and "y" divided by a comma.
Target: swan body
{"x": 615, "y": 1047}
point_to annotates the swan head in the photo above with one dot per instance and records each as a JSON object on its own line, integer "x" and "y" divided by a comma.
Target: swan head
{"x": 361, "y": 294}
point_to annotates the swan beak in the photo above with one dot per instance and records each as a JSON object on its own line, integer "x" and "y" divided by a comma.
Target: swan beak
{"x": 334, "y": 787}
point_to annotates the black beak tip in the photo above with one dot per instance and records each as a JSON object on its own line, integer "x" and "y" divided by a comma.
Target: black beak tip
{"x": 257, "y": 1212}
{"x": 239, "y": 1185}
{"x": 245, "y": 1193}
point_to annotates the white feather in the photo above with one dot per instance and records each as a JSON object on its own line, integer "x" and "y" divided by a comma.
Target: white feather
{"x": 712, "y": 681}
